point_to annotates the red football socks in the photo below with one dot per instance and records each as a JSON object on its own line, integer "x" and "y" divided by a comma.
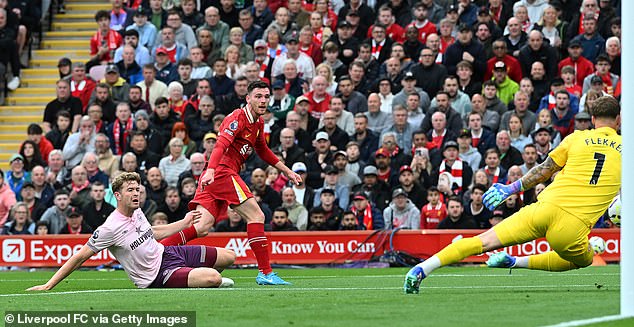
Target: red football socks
{"x": 182, "y": 237}
{"x": 260, "y": 246}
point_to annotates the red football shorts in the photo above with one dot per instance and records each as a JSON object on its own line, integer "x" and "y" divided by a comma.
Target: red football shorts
{"x": 227, "y": 189}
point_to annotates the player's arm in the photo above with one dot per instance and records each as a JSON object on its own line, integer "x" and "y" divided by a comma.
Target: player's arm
{"x": 73, "y": 263}
{"x": 262, "y": 149}
{"x": 163, "y": 231}
{"x": 498, "y": 193}
{"x": 539, "y": 173}
{"x": 226, "y": 136}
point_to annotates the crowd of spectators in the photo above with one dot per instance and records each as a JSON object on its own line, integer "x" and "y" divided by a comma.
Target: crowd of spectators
{"x": 395, "y": 114}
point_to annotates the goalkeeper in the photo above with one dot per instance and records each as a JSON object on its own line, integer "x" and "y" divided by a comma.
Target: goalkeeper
{"x": 588, "y": 167}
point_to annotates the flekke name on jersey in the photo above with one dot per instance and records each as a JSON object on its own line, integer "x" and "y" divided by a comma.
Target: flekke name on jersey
{"x": 605, "y": 142}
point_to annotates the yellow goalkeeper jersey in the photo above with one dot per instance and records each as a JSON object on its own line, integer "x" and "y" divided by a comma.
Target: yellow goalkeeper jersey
{"x": 591, "y": 174}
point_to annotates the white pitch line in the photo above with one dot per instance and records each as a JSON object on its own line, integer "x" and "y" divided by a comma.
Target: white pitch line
{"x": 590, "y": 321}
{"x": 363, "y": 276}
{"x": 295, "y": 289}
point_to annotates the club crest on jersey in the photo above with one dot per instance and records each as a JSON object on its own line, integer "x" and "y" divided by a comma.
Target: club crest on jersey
{"x": 234, "y": 125}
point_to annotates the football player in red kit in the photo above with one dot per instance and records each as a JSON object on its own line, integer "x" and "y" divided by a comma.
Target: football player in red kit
{"x": 220, "y": 186}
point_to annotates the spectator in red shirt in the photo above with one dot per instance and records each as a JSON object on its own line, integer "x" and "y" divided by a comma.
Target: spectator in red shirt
{"x": 433, "y": 212}
{"x": 422, "y": 24}
{"x": 319, "y": 99}
{"x": 81, "y": 86}
{"x": 386, "y": 18}
{"x": 34, "y": 132}
{"x": 513, "y": 68}
{"x": 105, "y": 41}
{"x": 582, "y": 66}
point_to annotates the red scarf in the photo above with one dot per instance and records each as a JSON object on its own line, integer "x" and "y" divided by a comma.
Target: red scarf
{"x": 264, "y": 66}
{"x": 319, "y": 36}
{"x": 607, "y": 82}
{"x": 367, "y": 216}
{"x": 495, "y": 176}
{"x": 309, "y": 51}
{"x": 376, "y": 49}
{"x": 78, "y": 188}
{"x": 456, "y": 172}
{"x": 116, "y": 132}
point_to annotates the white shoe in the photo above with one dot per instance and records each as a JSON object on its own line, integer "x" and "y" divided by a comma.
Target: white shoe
{"x": 14, "y": 83}
{"x": 226, "y": 283}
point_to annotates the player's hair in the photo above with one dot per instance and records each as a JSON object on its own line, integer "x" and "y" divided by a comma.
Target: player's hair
{"x": 606, "y": 107}
{"x": 256, "y": 85}
{"x": 117, "y": 183}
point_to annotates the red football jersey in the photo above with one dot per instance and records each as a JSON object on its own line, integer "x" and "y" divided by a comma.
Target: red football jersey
{"x": 243, "y": 133}
{"x": 431, "y": 216}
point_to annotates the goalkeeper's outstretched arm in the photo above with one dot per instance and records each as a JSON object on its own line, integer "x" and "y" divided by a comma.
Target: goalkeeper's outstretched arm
{"x": 540, "y": 173}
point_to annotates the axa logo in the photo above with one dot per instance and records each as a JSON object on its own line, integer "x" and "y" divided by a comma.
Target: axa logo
{"x": 239, "y": 246}
{"x": 13, "y": 250}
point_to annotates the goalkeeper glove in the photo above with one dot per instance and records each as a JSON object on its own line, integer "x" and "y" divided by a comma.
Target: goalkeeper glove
{"x": 498, "y": 193}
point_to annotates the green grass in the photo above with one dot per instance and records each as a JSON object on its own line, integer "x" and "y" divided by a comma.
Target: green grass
{"x": 453, "y": 296}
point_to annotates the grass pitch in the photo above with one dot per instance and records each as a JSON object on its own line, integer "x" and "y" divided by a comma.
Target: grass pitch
{"x": 453, "y": 296}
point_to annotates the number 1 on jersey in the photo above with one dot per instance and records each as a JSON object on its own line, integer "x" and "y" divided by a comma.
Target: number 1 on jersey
{"x": 600, "y": 158}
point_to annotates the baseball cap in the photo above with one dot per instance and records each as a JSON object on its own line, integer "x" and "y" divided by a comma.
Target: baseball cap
{"x": 359, "y": 196}
{"x": 278, "y": 84}
{"x": 543, "y": 129}
{"x": 409, "y": 76}
{"x": 464, "y": 27}
{"x": 141, "y": 12}
{"x": 352, "y": 13}
{"x": 465, "y": 133}
{"x": 64, "y": 62}
{"x": 596, "y": 80}
{"x": 28, "y": 184}
{"x": 452, "y": 8}
{"x": 327, "y": 190}
{"x": 210, "y": 136}
{"x": 483, "y": 11}
{"x": 344, "y": 23}
{"x": 16, "y": 157}
{"x": 330, "y": 169}
{"x": 574, "y": 44}
{"x": 450, "y": 144}
{"x": 259, "y": 44}
{"x": 299, "y": 167}
{"x": 301, "y": 98}
{"x": 397, "y": 192}
{"x": 583, "y": 116}
{"x": 382, "y": 152}
{"x": 499, "y": 65}
{"x": 112, "y": 69}
{"x": 75, "y": 212}
{"x": 322, "y": 136}
{"x": 292, "y": 38}
{"x": 405, "y": 168}
{"x": 370, "y": 170}
{"x": 161, "y": 50}
{"x": 341, "y": 153}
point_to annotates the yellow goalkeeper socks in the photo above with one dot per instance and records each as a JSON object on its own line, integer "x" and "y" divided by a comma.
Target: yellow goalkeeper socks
{"x": 549, "y": 261}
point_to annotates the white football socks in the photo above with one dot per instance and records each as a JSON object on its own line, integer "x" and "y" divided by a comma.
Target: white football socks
{"x": 430, "y": 265}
